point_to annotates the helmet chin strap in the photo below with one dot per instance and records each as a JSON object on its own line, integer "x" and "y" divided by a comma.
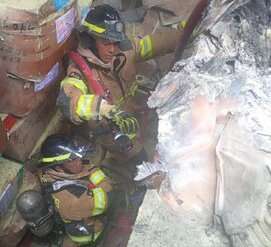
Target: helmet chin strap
{"x": 63, "y": 175}
{"x": 85, "y": 161}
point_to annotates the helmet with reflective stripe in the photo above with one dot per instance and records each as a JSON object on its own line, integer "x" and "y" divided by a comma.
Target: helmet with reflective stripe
{"x": 57, "y": 149}
{"x": 104, "y": 21}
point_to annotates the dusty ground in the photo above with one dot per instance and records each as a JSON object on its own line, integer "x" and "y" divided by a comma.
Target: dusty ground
{"x": 159, "y": 226}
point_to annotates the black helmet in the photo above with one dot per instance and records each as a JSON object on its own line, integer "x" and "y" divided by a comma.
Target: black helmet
{"x": 104, "y": 21}
{"x": 36, "y": 212}
{"x": 59, "y": 148}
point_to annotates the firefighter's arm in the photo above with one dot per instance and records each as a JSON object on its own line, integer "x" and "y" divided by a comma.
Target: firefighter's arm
{"x": 99, "y": 179}
{"x": 157, "y": 44}
{"x": 77, "y": 104}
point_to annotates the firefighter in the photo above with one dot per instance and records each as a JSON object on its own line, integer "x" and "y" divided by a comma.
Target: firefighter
{"x": 81, "y": 192}
{"x": 100, "y": 89}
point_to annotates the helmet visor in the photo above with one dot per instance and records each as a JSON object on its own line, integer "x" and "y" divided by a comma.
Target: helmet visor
{"x": 75, "y": 151}
{"x": 113, "y": 31}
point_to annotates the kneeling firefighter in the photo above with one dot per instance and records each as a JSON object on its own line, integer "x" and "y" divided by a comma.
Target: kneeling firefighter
{"x": 81, "y": 193}
{"x": 101, "y": 90}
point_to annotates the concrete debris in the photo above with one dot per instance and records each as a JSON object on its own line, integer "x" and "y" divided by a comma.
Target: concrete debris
{"x": 179, "y": 8}
{"x": 158, "y": 225}
{"x": 217, "y": 170}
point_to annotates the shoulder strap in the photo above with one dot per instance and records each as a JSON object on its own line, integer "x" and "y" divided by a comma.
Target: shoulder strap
{"x": 52, "y": 187}
{"x": 93, "y": 84}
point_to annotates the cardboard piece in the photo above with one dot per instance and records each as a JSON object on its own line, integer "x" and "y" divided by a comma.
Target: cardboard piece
{"x": 20, "y": 98}
{"x": 23, "y": 136}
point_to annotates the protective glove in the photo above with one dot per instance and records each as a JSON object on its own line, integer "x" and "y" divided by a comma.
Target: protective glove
{"x": 106, "y": 109}
{"x": 126, "y": 122}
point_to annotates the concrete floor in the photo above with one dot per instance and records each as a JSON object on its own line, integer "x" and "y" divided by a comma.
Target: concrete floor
{"x": 158, "y": 226}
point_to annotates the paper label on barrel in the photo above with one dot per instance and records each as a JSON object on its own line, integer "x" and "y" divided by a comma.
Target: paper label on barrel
{"x": 65, "y": 25}
{"x": 60, "y": 4}
{"x": 50, "y": 77}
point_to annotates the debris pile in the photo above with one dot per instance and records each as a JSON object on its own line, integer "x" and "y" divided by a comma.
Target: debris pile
{"x": 214, "y": 132}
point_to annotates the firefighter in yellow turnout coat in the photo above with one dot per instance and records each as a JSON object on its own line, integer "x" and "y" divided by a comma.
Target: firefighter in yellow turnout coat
{"x": 111, "y": 58}
{"x": 81, "y": 193}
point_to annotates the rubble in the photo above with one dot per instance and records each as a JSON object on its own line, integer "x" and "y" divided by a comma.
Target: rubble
{"x": 214, "y": 117}
{"x": 214, "y": 136}
{"x": 171, "y": 12}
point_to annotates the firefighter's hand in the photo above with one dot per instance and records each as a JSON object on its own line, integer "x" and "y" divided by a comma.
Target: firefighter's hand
{"x": 126, "y": 122}
{"x": 106, "y": 109}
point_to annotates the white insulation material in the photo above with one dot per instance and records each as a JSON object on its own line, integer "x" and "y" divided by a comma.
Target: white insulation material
{"x": 214, "y": 136}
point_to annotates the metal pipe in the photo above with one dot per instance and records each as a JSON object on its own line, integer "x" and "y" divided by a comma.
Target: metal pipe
{"x": 192, "y": 22}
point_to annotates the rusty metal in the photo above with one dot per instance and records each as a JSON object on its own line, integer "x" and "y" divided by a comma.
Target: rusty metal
{"x": 192, "y": 22}
{"x": 3, "y": 138}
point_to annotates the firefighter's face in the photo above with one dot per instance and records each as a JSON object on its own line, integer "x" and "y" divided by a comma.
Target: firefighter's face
{"x": 73, "y": 166}
{"x": 106, "y": 49}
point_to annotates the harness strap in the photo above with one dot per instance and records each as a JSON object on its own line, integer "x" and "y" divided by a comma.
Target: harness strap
{"x": 52, "y": 187}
